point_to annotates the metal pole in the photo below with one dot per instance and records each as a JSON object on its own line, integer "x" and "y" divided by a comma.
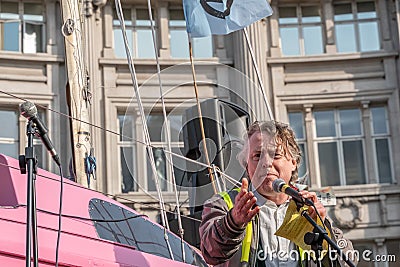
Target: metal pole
{"x": 324, "y": 236}
{"x": 29, "y": 160}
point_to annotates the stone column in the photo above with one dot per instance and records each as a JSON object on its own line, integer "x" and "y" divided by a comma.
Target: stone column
{"x": 369, "y": 153}
{"x": 108, "y": 49}
{"x": 330, "y": 45}
{"x": 163, "y": 31}
{"x": 312, "y": 167}
{"x": 248, "y": 85}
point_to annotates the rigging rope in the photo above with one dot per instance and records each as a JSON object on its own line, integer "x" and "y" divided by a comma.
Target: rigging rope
{"x": 169, "y": 152}
{"x": 167, "y": 130}
{"x": 253, "y": 59}
{"x": 203, "y": 136}
{"x": 149, "y": 148}
{"x": 110, "y": 131}
{"x": 106, "y": 194}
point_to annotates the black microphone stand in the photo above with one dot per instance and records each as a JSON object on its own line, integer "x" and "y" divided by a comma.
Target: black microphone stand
{"x": 316, "y": 238}
{"x": 28, "y": 164}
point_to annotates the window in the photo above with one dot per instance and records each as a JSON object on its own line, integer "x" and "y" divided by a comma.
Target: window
{"x": 131, "y": 229}
{"x": 380, "y": 136}
{"x": 158, "y": 139}
{"x": 138, "y": 30}
{"x": 356, "y": 27}
{"x": 22, "y": 27}
{"x": 179, "y": 45}
{"x": 127, "y": 152}
{"x": 9, "y": 136}
{"x": 296, "y": 123}
{"x": 339, "y": 145}
{"x": 300, "y": 30}
{"x": 339, "y": 140}
{"x": 40, "y": 150}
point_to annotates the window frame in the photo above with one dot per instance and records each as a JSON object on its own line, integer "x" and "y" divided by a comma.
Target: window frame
{"x": 17, "y": 140}
{"x": 121, "y": 144}
{"x": 163, "y": 144}
{"x": 339, "y": 139}
{"x": 22, "y": 27}
{"x": 300, "y": 26}
{"x": 140, "y": 151}
{"x": 176, "y": 28}
{"x": 386, "y": 136}
{"x": 356, "y": 22}
{"x": 134, "y": 47}
{"x": 196, "y": 42}
{"x": 21, "y": 137}
{"x": 367, "y": 143}
{"x": 303, "y": 178}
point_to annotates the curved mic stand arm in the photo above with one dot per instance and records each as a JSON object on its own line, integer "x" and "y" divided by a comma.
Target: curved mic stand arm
{"x": 320, "y": 235}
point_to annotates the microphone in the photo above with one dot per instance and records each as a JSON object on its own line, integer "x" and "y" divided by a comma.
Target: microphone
{"x": 279, "y": 185}
{"x": 29, "y": 111}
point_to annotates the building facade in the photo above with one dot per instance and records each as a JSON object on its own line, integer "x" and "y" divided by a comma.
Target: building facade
{"x": 329, "y": 68}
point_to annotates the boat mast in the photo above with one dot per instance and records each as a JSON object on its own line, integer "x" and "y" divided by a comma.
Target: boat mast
{"x": 76, "y": 89}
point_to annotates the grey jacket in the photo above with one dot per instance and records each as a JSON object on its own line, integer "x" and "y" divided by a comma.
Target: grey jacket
{"x": 221, "y": 239}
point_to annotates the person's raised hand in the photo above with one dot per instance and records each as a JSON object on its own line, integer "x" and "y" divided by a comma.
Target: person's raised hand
{"x": 244, "y": 210}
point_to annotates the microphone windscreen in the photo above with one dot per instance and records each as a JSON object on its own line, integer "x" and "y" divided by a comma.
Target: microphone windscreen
{"x": 277, "y": 185}
{"x": 28, "y": 109}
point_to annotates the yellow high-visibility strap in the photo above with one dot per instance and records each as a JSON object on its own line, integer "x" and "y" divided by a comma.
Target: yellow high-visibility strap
{"x": 246, "y": 243}
{"x": 302, "y": 256}
{"x": 227, "y": 199}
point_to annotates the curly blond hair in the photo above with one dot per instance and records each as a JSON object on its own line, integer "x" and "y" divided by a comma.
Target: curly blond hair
{"x": 284, "y": 136}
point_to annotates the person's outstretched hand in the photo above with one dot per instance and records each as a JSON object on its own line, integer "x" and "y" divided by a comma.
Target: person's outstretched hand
{"x": 244, "y": 210}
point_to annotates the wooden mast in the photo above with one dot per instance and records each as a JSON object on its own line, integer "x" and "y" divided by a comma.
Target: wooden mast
{"x": 76, "y": 88}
